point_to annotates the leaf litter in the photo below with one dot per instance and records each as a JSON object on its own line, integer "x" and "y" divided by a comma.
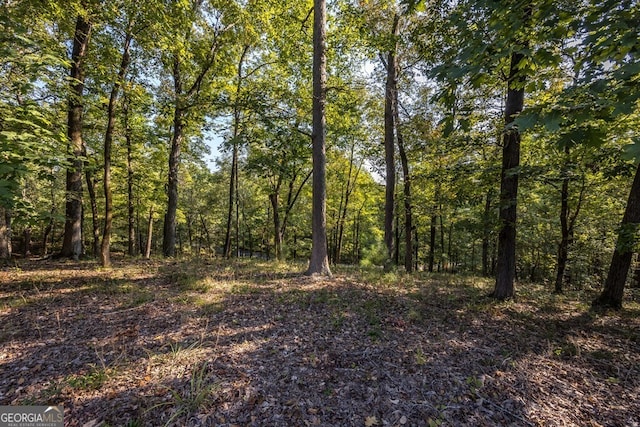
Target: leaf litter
{"x": 205, "y": 343}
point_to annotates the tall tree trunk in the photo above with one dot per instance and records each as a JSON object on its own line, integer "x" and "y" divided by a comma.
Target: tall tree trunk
{"x": 408, "y": 226}
{"x": 131, "y": 240}
{"x": 319, "y": 262}
{"x": 506, "y": 268}
{"x": 352, "y": 179}
{"x": 389, "y": 148}
{"x": 72, "y": 241}
{"x": 563, "y": 246}
{"x": 613, "y": 291}
{"x": 169, "y": 237}
{"x": 105, "y": 254}
{"x": 233, "y": 178}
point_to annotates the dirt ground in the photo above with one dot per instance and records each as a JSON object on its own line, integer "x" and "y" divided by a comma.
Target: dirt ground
{"x": 247, "y": 343}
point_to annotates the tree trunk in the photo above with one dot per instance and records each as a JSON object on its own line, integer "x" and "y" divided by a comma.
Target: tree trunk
{"x": 613, "y": 291}
{"x": 147, "y": 250}
{"x": 563, "y": 246}
{"x": 105, "y": 254}
{"x": 389, "y": 148}
{"x": 131, "y": 240}
{"x": 72, "y": 241}
{"x": 95, "y": 221}
{"x": 506, "y": 268}
{"x": 432, "y": 240}
{"x": 169, "y": 238}
{"x": 319, "y": 262}
{"x": 277, "y": 236}
{"x": 408, "y": 226}
{"x": 5, "y": 234}
{"x": 486, "y": 234}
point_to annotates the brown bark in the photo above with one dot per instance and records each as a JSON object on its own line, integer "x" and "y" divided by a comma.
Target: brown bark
{"x": 406, "y": 177}
{"x": 319, "y": 262}
{"x": 95, "y": 222}
{"x": 105, "y": 253}
{"x": 131, "y": 235}
{"x": 389, "y": 148}
{"x": 506, "y": 268}
{"x": 72, "y": 241}
{"x": 5, "y": 234}
{"x": 613, "y": 291}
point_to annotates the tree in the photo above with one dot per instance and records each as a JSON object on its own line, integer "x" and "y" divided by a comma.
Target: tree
{"x": 72, "y": 242}
{"x": 105, "y": 256}
{"x": 319, "y": 262}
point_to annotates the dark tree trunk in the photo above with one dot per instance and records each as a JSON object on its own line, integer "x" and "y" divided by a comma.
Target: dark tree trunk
{"x": 277, "y": 235}
{"x": 169, "y": 238}
{"x": 5, "y": 234}
{"x": 72, "y": 241}
{"x": 319, "y": 263}
{"x": 408, "y": 252}
{"x": 389, "y": 148}
{"x": 352, "y": 179}
{"x": 95, "y": 222}
{"x": 613, "y": 291}
{"x": 486, "y": 235}
{"x": 563, "y": 247}
{"x": 105, "y": 254}
{"x": 506, "y": 268}
{"x": 131, "y": 241}
{"x": 432, "y": 241}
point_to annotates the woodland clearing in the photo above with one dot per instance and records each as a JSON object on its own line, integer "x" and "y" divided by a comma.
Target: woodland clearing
{"x": 239, "y": 343}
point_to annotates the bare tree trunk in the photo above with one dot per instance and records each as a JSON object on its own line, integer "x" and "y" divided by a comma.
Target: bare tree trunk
{"x": 319, "y": 262}
{"x": 72, "y": 241}
{"x": 5, "y": 234}
{"x": 169, "y": 238}
{"x": 277, "y": 236}
{"x": 506, "y": 268}
{"x": 432, "y": 240}
{"x": 352, "y": 179}
{"x": 147, "y": 250}
{"x": 408, "y": 253}
{"x": 105, "y": 254}
{"x": 486, "y": 234}
{"x": 95, "y": 222}
{"x": 131, "y": 240}
{"x": 613, "y": 291}
{"x": 389, "y": 148}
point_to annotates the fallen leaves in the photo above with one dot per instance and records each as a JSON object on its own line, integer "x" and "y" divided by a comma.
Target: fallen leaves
{"x": 272, "y": 348}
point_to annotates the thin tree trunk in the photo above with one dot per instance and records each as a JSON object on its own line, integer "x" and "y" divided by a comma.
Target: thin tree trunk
{"x": 147, "y": 249}
{"x": 613, "y": 291}
{"x": 432, "y": 240}
{"x": 506, "y": 268}
{"x": 72, "y": 241}
{"x": 105, "y": 254}
{"x": 408, "y": 226}
{"x": 389, "y": 148}
{"x": 5, "y": 234}
{"x": 131, "y": 241}
{"x": 563, "y": 247}
{"x": 277, "y": 236}
{"x": 486, "y": 234}
{"x": 95, "y": 222}
{"x": 319, "y": 262}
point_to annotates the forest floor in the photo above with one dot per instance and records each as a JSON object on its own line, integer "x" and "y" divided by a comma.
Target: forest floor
{"x": 248, "y": 343}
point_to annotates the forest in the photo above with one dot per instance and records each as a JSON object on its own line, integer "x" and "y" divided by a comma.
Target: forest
{"x": 368, "y": 169}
